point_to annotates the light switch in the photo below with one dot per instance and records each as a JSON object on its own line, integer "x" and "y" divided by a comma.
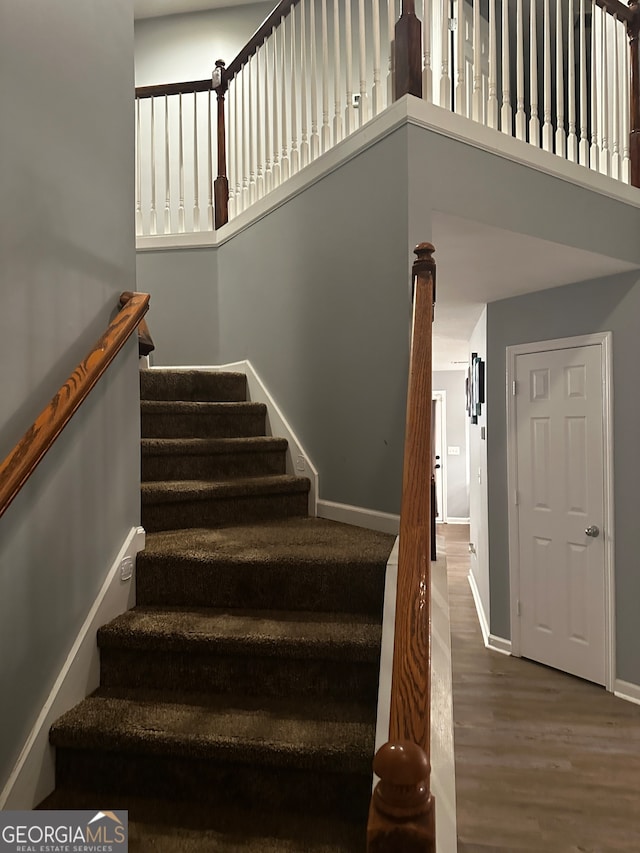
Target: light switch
{"x": 453, "y": 451}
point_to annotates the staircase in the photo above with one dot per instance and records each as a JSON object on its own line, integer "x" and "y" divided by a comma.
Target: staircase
{"x": 237, "y": 703}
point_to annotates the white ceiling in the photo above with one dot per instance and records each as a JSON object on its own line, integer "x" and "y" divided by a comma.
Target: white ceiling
{"x": 478, "y": 263}
{"x": 156, "y": 8}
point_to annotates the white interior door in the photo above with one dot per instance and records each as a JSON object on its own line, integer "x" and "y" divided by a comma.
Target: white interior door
{"x": 439, "y": 431}
{"x": 560, "y": 506}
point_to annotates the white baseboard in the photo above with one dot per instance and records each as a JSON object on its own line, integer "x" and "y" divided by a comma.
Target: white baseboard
{"x": 452, "y": 519}
{"x": 386, "y": 650}
{"x": 499, "y": 644}
{"x": 385, "y": 522}
{"x": 33, "y": 777}
{"x": 491, "y": 641}
{"x": 298, "y": 461}
{"x": 627, "y": 690}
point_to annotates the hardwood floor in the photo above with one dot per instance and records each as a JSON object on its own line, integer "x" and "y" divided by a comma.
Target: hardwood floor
{"x": 545, "y": 762}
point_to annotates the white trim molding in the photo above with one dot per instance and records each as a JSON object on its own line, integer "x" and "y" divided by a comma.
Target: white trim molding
{"x": 627, "y": 690}
{"x": 491, "y": 641}
{"x": 605, "y": 341}
{"x": 359, "y": 516}
{"x": 452, "y": 519}
{"x": 499, "y": 644}
{"x": 33, "y": 776}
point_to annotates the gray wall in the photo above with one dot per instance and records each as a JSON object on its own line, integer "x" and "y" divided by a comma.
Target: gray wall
{"x": 607, "y": 304}
{"x": 455, "y": 467}
{"x": 66, "y": 252}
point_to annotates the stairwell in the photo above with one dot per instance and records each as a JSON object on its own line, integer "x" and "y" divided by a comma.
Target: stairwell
{"x": 237, "y": 703}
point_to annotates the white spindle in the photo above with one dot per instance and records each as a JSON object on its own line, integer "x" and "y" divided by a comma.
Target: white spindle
{"x": 477, "y": 104}
{"x": 506, "y": 114}
{"x": 138, "y": 173}
{"x": 232, "y": 149}
{"x": 364, "y": 103}
{"x": 315, "y": 138}
{"x": 427, "y": 72}
{"x": 391, "y": 32}
{"x": 304, "y": 133}
{"x": 277, "y": 177}
{"x": 153, "y": 219}
{"x": 572, "y": 139}
{"x": 594, "y": 150}
{"x": 267, "y": 108}
{"x": 244, "y": 139}
{"x": 294, "y": 158}
{"x": 326, "y": 130}
{"x": 349, "y": 116}
{"x": 167, "y": 170}
{"x": 461, "y": 90}
{"x": 561, "y": 136}
{"x": 253, "y": 190}
{"x": 492, "y": 100}
{"x": 583, "y": 147}
{"x": 238, "y": 145}
{"x": 210, "y": 176}
{"x": 376, "y": 91}
{"x": 615, "y": 113}
{"x": 605, "y": 162}
{"x": 534, "y": 120}
{"x": 196, "y": 176}
{"x": 337, "y": 77}
{"x": 624, "y": 53}
{"x": 284, "y": 158}
{"x": 547, "y": 128}
{"x": 259, "y": 131}
{"x": 521, "y": 116}
{"x": 181, "y": 166}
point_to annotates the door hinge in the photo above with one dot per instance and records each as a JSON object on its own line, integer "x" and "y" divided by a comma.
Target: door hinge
{"x": 514, "y": 387}
{"x": 518, "y": 608}
{"x": 453, "y": 24}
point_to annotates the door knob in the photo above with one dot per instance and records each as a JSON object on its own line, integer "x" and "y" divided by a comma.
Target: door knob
{"x": 593, "y": 530}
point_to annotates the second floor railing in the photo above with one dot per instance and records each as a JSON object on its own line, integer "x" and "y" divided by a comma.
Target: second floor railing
{"x": 561, "y": 75}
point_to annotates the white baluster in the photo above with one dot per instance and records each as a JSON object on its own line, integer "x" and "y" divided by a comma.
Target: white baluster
{"x": 139, "y": 226}
{"x": 376, "y": 91}
{"x": 461, "y": 90}
{"x": 364, "y": 101}
{"x": 534, "y": 120}
{"x": 561, "y": 136}
{"x": 477, "y": 105}
{"x": 624, "y": 71}
{"x": 492, "y": 100}
{"x": 605, "y": 163}
{"x": 349, "y": 117}
{"x": 258, "y": 129}
{"x": 181, "y": 167}
{"x": 547, "y": 128}
{"x": 196, "y": 176}
{"x": 253, "y": 191}
{"x": 427, "y": 72}
{"x": 337, "y": 77}
{"x": 153, "y": 219}
{"x": 594, "y": 149}
{"x": 304, "y": 136}
{"x": 615, "y": 113}
{"x": 572, "y": 139}
{"x": 326, "y": 130}
{"x": 210, "y": 175}
{"x": 583, "y": 147}
{"x": 244, "y": 139}
{"x": 506, "y": 115}
{"x": 232, "y": 146}
{"x": 294, "y": 157}
{"x": 521, "y": 116}
{"x": 391, "y": 33}
{"x": 315, "y": 138}
{"x": 284, "y": 157}
{"x": 266, "y": 112}
{"x": 238, "y": 141}
{"x": 277, "y": 175}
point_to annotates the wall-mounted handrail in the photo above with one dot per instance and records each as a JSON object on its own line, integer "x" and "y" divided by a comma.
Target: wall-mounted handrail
{"x": 18, "y": 466}
{"x": 402, "y": 813}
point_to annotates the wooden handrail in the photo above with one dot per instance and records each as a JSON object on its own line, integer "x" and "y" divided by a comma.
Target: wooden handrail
{"x": 186, "y": 88}
{"x": 402, "y": 813}
{"x": 615, "y": 7}
{"x": 263, "y": 31}
{"x": 18, "y": 466}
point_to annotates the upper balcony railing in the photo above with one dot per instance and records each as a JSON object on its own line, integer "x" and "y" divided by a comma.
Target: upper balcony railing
{"x": 561, "y": 75}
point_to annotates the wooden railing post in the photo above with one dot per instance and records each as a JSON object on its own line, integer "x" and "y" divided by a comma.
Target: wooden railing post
{"x": 633, "y": 29}
{"x": 221, "y": 183}
{"x": 408, "y": 53}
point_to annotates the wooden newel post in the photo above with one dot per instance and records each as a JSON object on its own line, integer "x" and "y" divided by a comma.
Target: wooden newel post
{"x": 633, "y": 30}
{"x": 402, "y": 815}
{"x": 408, "y": 53}
{"x": 221, "y": 184}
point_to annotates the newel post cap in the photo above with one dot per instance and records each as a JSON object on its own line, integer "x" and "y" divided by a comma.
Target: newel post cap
{"x": 404, "y": 771}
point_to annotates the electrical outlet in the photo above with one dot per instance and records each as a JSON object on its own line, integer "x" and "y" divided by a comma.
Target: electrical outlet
{"x": 126, "y": 569}
{"x": 301, "y": 465}
{"x": 355, "y": 101}
{"x": 453, "y": 451}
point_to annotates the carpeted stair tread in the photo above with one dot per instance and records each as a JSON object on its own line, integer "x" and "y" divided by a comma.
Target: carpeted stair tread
{"x": 320, "y": 734}
{"x": 197, "y": 407}
{"x": 189, "y": 384}
{"x": 331, "y": 636}
{"x": 202, "y": 446}
{"x": 172, "y": 491}
{"x": 164, "y": 826}
{"x": 193, "y": 419}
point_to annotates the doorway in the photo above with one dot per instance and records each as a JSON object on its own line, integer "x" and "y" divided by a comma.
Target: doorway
{"x": 439, "y": 432}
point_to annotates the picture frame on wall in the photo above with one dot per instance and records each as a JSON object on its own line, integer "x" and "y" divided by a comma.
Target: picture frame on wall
{"x": 475, "y": 387}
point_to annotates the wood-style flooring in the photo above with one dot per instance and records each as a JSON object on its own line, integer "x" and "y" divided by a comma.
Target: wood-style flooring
{"x": 545, "y": 762}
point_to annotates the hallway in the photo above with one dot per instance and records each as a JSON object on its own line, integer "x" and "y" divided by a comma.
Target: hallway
{"x": 545, "y": 762}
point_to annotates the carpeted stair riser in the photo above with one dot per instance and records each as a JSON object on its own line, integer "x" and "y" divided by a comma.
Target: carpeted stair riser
{"x": 192, "y": 779}
{"x": 222, "y": 511}
{"x": 192, "y": 385}
{"x": 201, "y": 420}
{"x": 212, "y": 460}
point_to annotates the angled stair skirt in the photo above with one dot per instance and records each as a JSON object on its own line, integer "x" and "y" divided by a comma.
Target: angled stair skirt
{"x": 237, "y": 700}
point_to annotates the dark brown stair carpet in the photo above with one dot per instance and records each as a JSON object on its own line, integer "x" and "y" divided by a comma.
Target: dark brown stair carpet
{"x": 192, "y": 385}
{"x": 165, "y": 419}
{"x": 213, "y": 459}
